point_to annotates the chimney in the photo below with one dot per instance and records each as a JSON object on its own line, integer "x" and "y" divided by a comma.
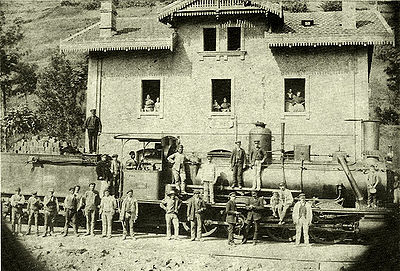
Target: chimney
{"x": 348, "y": 14}
{"x": 108, "y": 16}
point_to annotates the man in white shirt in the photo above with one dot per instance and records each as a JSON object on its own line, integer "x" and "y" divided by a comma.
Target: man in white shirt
{"x": 208, "y": 176}
{"x": 178, "y": 169}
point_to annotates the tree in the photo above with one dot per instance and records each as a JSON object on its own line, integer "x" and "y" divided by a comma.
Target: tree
{"x": 61, "y": 92}
{"x": 295, "y": 6}
{"x": 331, "y": 6}
{"x": 16, "y": 76}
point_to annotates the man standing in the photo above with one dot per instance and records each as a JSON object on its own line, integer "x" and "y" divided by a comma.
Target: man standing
{"x": 254, "y": 206}
{"x": 93, "y": 125}
{"x": 17, "y": 202}
{"x": 195, "y": 208}
{"x": 51, "y": 209}
{"x": 70, "y": 208}
{"x": 90, "y": 200}
{"x": 238, "y": 158}
{"x": 285, "y": 201}
{"x": 107, "y": 210}
{"x": 115, "y": 174}
{"x": 129, "y": 213}
{"x": 171, "y": 204}
{"x": 33, "y": 207}
{"x": 178, "y": 160}
{"x": 208, "y": 176}
{"x": 257, "y": 158}
{"x": 79, "y": 215}
{"x": 396, "y": 190}
{"x": 372, "y": 182}
{"x": 103, "y": 174}
{"x": 231, "y": 213}
{"x": 302, "y": 218}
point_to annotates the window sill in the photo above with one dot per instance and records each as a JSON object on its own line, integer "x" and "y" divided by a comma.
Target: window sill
{"x": 154, "y": 114}
{"x": 295, "y": 114}
{"x": 222, "y": 54}
{"x": 221, "y": 114}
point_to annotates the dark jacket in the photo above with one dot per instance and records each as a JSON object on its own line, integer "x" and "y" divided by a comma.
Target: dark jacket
{"x": 255, "y": 212}
{"x": 231, "y": 212}
{"x": 93, "y": 123}
{"x": 238, "y": 157}
{"x": 193, "y": 208}
{"x": 103, "y": 170}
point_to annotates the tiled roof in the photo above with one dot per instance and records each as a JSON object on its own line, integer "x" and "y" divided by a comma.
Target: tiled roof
{"x": 132, "y": 34}
{"x": 371, "y": 28}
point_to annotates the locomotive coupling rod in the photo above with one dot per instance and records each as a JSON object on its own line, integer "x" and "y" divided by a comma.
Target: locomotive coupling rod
{"x": 350, "y": 178}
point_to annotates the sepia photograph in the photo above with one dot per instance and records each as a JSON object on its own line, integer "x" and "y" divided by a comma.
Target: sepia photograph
{"x": 194, "y": 135}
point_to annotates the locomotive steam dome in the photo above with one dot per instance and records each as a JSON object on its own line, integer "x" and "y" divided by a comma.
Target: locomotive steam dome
{"x": 263, "y": 134}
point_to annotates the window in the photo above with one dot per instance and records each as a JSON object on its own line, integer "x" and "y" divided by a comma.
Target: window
{"x": 295, "y": 100}
{"x": 234, "y": 38}
{"x": 210, "y": 39}
{"x": 151, "y": 96}
{"x": 221, "y": 95}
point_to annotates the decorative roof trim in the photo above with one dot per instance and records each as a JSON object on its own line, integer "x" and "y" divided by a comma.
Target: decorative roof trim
{"x": 285, "y": 41}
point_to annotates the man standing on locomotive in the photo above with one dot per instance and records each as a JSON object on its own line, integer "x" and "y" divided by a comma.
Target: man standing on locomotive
{"x": 103, "y": 174}
{"x": 231, "y": 213}
{"x": 115, "y": 174}
{"x": 195, "y": 208}
{"x": 396, "y": 190}
{"x": 372, "y": 182}
{"x": 90, "y": 200}
{"x": 70, "y": 208}
{"x": 51, "y": 209}
{"x": 178, "y": 160}
{"x": 33, "y": 208}
{"x": 285, "y": 201}
{"x": 171, "y": 204}
{"x": 302, "y": 218}
{"x": 107, "y": 210}
{"x": 93, "y": 126}
{"x": 254, "y": 206}
{"x": 17, "y": 202}
{"x": 129, "y": 213}
{"x": 257, "y": 158}
{"x": 208, "y": 176}
{"x": 238, "y": 158}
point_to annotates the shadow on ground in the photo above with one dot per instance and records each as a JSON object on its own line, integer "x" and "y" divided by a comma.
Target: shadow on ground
{"x": 14, "y": 256}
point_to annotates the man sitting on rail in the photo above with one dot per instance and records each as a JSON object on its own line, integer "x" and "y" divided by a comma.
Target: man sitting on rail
{"x": 33, "y": 208}
{"x": 17, "y": 203}
{"x": 171, "y": 204}
{"x": 302, "y": 218}
{"x": 129, "y": 213}
{"x": 90, "y": 200}
{"x": 51, "y": 209}
{"x": 285, "y": 201}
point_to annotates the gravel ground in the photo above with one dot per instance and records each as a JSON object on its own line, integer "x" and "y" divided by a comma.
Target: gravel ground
{"x": 154, "y": 252}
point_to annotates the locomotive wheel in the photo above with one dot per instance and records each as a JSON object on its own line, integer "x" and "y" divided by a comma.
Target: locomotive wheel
{"x": 282, "y": 234}
{"x": 327, "y": 237}
{"x": 208, "y": 229}
{"x": 239, "y": 228}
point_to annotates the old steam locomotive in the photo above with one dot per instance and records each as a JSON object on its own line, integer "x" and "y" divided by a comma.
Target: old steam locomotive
{"x": 336, "y": 187}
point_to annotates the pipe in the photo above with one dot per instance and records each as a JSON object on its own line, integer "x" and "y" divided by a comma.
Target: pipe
{"x": 352, "y": 181}
{"x": 283, "y": 151}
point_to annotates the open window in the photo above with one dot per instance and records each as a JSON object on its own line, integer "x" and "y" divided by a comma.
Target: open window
{"x": 234, "y": 38}
{"x": 209, "y": 39}
{"x": 151, "y": 96}
{"x": 295, "y": 95}
{"x": 221, "y": 95}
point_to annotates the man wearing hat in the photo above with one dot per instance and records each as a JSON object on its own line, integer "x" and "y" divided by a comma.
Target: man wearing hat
{"x": 115, "y": 169}
{"x": 131, "y": 163}
{"x": 285, "y": 201}
{"x": 90, "y": 200}
{"x": 51, "y": 209}
{"x": 254, "y": 206}
{"x": 178, "y": 160}
{"x": 171, "y": 204}
{"x": 208, "y": 176}
{"x": 257, "y": 158}
{"x": 70, "y": 208}
{"x": 372, "y": 182}
{"x": 231, "y": 213}
{"x": 107, "y": 210}
{"x": 129, "y": 213}
{"x": 302, "y": 218}
{"x": 238, "y": 158}
{"x": 93, "y": 126}
{"x": 195, "y": 208}
{"x": 103, "y": 174}
{"x": 33, "y": 208}
{"x": 17, "y": 202}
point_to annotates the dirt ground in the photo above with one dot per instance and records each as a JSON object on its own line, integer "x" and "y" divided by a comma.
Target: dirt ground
{"x": 153, "y": 252}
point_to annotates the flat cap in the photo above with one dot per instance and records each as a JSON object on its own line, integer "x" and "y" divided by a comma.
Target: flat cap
{"x": 238, "y": 141}
{"x": 196, "y": 192}
{"x": 93, "y": 109}
{"x": 232, "y": 194}
{"x": 114, "y": 155}
{"x": 130, "y": 190}
{"x": 51, "y": 189}
{"x": 34, "y": 193}
{"x": 171, "y": 192}
{"x": 302, "y": 195}
{"x": 282, "y": 184}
